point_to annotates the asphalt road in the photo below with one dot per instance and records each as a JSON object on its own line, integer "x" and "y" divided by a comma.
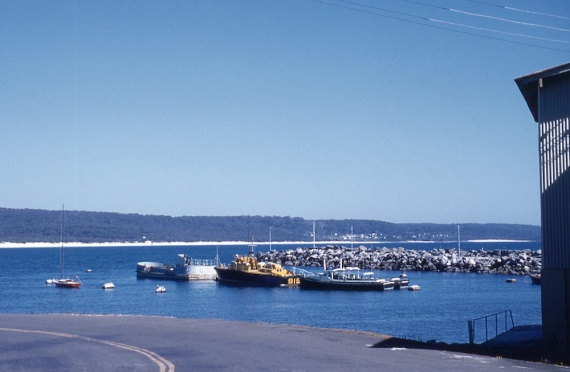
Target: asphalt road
{"x": 136, "y": 343}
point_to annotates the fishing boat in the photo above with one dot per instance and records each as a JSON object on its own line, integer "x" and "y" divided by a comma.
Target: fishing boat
{"x": 65, "y": 282}
{"x": 187, "y": 268}
{"x": 247, "y": 271}
{"x": 349, "y": 278}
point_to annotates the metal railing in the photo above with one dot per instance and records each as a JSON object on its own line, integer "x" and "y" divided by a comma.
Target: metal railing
{"x": 494, "y": 321}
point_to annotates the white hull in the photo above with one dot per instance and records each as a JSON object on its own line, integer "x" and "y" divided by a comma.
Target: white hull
{"x": 186, "y": 269}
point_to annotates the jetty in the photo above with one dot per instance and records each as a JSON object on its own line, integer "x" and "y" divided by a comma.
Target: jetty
{"x": 508, "y": 262}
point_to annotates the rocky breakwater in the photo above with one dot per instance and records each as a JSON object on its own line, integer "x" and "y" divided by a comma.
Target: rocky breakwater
{"x": 508, "y": 262}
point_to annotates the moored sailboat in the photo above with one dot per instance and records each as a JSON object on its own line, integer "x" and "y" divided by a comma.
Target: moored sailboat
{"x": 65, "y": 282}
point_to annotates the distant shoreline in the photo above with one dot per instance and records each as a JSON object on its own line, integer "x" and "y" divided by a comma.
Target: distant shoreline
{"x": 232, "y": 243}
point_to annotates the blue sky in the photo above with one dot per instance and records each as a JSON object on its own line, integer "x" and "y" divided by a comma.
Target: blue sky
{"x": 402, "y": 111}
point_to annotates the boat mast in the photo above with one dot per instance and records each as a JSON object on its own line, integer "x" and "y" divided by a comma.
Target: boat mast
{"x": 459, "y": 240}
{"x": 314, "y": 236}
{"x": 61, "y": 258}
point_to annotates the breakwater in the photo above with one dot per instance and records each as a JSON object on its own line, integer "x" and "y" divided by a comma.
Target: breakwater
{"x": 508, "y": 262}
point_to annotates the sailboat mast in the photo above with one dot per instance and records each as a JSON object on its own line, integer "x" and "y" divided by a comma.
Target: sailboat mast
{"x": 61, "y": 258}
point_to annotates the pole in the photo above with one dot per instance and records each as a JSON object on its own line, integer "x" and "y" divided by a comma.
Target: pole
{"x": 459, "y": 240}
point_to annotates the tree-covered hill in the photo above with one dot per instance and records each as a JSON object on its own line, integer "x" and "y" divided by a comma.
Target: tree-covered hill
{"x": 34, "y": 225}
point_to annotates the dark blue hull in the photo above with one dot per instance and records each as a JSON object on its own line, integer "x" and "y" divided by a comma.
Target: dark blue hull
{"x": 349, "y": 285}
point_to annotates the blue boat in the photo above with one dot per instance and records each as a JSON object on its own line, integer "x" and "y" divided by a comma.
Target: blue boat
{"x": 350, "y": 278}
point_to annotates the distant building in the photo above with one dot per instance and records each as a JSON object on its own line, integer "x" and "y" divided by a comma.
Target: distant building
{"x": 547, "y": 94}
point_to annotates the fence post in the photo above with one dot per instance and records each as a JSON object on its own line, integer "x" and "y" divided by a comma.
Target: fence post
{"x": 471, "y": 332}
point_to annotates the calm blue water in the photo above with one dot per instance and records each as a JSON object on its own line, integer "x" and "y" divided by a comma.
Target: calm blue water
{"x": 439, "y": 311}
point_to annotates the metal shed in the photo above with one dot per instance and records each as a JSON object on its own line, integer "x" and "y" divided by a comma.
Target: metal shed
{"x": 547, "y": 94}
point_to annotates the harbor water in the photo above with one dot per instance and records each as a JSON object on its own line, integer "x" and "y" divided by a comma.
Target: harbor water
{"x": 439, "y": 311}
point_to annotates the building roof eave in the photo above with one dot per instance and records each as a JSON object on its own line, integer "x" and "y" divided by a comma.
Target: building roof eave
{"x": 528, "y": 85}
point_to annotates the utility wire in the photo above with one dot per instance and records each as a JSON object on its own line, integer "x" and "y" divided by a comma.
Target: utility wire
{"x": 519, "y": 10}
{"x": 485, "y": 15}
{"x": 507, "y": 20}
{"x": 461, "y": 24}
{"x": 437, "y": 21}
{"x": 499, "y": 32}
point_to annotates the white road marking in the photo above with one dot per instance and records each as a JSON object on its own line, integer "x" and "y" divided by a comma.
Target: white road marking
{"x": 163, "y": 364}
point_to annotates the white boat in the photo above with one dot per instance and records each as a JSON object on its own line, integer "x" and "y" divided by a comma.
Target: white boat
{"x": 187, "y": 268}
{"x": 414, "y": 287}
{"x": 160, "y": 289}
{"x": 108, "y": 285}
{"x": 401, "y": 282}
{"x": 51, "y": 281}
{"x": 350, "y": 278}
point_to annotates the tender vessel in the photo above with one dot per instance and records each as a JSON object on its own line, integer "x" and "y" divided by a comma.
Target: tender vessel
{"x": 160, "y": 289}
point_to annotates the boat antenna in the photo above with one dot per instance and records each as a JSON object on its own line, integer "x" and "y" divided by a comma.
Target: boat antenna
{"x": 251, "y": 252}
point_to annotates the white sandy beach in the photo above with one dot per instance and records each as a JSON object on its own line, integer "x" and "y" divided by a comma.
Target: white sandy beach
{"x": 168, "y": 244}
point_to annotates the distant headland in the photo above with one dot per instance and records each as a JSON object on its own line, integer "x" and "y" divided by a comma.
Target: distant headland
{"x": 82, "y": 227}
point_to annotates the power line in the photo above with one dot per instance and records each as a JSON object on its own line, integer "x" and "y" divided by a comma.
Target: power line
{"x": 500, "y": 32}
{"x": 487, "y": 16}
{"x": 519, "y": 10}
{"x": 439, "y": 21}
{"x": 507, "y": 20}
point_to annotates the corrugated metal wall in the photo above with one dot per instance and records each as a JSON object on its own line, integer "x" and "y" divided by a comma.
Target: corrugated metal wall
{"x": 554, "y": 149}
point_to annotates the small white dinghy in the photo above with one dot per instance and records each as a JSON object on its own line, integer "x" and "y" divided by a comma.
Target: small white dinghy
{"x": 414, "y": 287}
{"x": 160, "y": 289}
{"x": 108, "y": 285}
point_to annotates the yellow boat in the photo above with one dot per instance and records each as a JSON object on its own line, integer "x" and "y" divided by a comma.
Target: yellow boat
{"x": 246, "y": 270}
